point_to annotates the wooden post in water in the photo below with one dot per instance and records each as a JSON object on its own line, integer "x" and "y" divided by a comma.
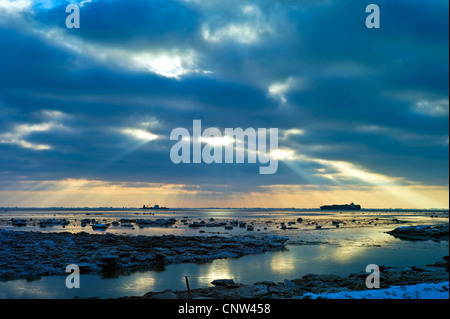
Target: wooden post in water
{"x": 188, "y": 289}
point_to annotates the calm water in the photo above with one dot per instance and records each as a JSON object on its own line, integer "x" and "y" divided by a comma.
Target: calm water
{"x": 341, "y": 251}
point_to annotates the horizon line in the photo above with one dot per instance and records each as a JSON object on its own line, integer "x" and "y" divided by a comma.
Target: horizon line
{"x": 177, "y": 208}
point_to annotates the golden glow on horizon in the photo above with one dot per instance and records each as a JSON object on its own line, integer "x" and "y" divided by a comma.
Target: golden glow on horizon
{"x": 91, "y": 193}
{"x": 391, "y": 192}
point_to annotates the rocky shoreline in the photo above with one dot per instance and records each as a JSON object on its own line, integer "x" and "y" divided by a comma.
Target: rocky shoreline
{"x": 310, "y": 285}
{"x": 31, "y": 255}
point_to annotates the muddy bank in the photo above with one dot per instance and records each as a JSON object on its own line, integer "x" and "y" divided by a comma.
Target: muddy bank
{"x": 312, "y": 284}
{"x": 31, "y": 255}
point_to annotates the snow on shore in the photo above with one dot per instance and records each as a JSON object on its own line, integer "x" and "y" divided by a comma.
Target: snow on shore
{"x": 420, "y": 291}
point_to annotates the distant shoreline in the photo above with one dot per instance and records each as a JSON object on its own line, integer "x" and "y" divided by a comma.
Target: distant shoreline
{"x": 438, "y": 210}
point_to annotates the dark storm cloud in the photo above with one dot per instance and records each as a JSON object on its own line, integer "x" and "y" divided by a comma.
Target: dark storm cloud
{"x": 354, "y": 93}
{"x": 136, "y": 23}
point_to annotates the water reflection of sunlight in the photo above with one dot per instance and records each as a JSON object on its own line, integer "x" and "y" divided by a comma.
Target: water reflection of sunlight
{"x": 216, "y": 270}
{"x": 144, "y": 283}
{"x": 281, "y": 264}
{"x": 349, "y": 251}
{"x": 346, "y": 254}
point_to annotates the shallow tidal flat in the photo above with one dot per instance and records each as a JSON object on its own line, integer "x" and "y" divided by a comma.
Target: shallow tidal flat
{"x": 31, "y": 254}
{"x": 132, "y": 259}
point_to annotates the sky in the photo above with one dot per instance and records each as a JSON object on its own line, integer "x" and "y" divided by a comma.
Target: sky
{"x": 86, "y": 113}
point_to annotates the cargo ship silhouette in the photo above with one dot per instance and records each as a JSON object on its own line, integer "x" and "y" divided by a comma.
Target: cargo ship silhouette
{"x": 156, "y": 206}
{"x": 351, "y": 206}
